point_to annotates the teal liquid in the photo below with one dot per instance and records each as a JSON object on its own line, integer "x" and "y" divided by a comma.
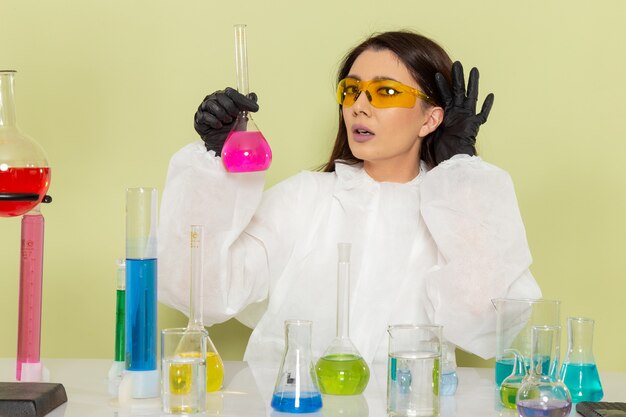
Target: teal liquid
{"x": 583, "y": 381}
{"x": 342, "y": 374}
{"x": 504, "y": 368}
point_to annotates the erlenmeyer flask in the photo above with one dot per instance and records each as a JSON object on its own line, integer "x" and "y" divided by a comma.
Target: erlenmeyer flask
{"x": 245, "y": 149}
{"x": 24, "y": 170}
{"x": 296, "y": 389}
{"x": 542, "y": 392}
{"x": 579, "y": 371}
{"x": 511, "y": 384}
{"x": 342, "y": 370}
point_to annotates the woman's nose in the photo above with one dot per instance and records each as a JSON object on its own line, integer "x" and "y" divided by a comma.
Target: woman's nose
{"x": 362, "y": 104}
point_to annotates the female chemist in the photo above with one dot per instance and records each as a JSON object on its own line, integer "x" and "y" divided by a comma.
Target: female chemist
{"x": 436, "y": 232}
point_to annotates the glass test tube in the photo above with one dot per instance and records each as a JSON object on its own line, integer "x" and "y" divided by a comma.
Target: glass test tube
{"x": 31, "y": 277}
{"x": 120, "y": 307}
{"x": 141, "y": 290}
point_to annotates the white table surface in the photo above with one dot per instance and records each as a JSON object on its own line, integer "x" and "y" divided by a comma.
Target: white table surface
{"x": 248, "y": 389}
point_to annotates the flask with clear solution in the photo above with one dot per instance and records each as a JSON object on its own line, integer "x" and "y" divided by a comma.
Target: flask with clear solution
{"x": 542, "y": 393}
{"x": 245, "y": 148}
{"x": 579, "y": 371}
{"x": 296, "y": 389}
{"x": 341, "y": 370}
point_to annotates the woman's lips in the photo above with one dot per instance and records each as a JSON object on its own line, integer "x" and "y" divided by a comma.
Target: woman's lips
{"x": 361, "y": 133}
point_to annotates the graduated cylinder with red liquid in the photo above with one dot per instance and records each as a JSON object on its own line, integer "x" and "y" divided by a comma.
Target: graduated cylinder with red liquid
{"x": 24, "y": 181}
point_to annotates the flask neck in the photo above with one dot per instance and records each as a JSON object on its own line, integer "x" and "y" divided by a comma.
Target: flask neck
{"x": 7, "y": 102}
{"x": 343, "y": 300}
{"x": 545, "y": 355}
{"x": 579, "y": 339}
{"x": 298, "y": 336}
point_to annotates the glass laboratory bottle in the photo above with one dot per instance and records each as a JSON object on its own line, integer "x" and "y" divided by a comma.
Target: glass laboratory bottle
{"x": 341, "y": 370}
{"x": 579, "y": 371}
{"x": 24, "y": 170}
{"x": 449, "y": 377}
{"x": 511, "y": 384}
{"x": 296, "y": 389}
{"x": 245, "y": 149}
{"x": 542, "y": 393}
{"x": 214, "y": 364}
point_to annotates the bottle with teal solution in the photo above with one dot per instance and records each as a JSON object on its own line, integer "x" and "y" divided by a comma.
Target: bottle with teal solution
{"x": 579, "y": 371}
{"x": 341, "y": 370}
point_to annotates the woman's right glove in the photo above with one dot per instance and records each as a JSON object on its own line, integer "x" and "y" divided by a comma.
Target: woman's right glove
{"x": 459, "y": 129}
{"x": 217, "y": 114}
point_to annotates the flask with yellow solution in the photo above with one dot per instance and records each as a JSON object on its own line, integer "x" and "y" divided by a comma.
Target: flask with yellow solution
{"x": 180, "y": 374}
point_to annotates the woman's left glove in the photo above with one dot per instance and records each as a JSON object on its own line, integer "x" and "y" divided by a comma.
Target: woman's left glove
{"x": 457, "y": 133}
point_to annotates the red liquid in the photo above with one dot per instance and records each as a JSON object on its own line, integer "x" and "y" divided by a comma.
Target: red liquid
{"x": 31, "y": 270}
{"x": 246, "y": 152}
{"x": 22, "y": 180}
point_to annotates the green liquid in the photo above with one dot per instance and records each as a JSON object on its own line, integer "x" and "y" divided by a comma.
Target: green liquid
{"x": 508, "y": 393}
{"x": 119, "y": 325}
{"x": 342, "y": 374}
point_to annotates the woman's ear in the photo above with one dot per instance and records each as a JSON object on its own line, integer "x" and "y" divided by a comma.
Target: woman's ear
{"x": 434, "y": 117}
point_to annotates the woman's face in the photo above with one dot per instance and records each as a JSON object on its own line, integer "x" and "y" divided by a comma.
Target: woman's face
{"x": 388, "y": 140}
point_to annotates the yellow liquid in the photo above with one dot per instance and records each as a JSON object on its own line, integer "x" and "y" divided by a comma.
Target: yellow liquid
{"x": 180, "y": 379}
{"x": 508, "y": 394}
{"x": 214, "y": 372}
{"x": 180, "y": 375}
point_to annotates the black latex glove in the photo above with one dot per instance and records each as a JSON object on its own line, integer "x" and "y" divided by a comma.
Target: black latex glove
{"x": 457, "y": 133}
{"x": 217, "y": 113}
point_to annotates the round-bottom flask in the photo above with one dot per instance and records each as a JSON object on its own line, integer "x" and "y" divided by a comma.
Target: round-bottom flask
{"x": 246, "y": 149}
{"x": 512, "y": 383}
{"x": 342, "y": 370}
{"x": 542, "y": 393}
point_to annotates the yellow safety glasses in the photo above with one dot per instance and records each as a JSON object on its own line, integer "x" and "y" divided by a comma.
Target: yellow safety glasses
{"x": 380, "y": 93}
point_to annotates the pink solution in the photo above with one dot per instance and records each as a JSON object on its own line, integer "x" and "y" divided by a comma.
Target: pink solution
{"x": 246, "y": 152}
{"x": 31, "y": 270}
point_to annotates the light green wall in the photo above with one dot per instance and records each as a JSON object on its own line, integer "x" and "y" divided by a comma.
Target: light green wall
{"x": 108, "y": 88}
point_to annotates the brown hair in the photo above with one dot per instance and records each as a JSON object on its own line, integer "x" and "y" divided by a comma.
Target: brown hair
{"x": 423, "y": 58}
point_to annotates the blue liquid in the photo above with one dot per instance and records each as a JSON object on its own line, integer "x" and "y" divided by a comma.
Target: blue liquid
{"x": 141, "y": 314}
{"x": 308, "y": 402}
{"x": 583, "y": 381}
{"x": 504, "y": 368}
{"x": 449, "y": 382}
{"x": 534, "y": 408}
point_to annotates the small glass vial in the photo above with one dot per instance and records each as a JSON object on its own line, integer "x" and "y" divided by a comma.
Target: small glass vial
{"x": 449, "y": 378}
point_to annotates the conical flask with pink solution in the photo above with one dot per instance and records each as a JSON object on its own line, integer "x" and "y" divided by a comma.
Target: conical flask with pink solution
{"x": 245, "y": 149}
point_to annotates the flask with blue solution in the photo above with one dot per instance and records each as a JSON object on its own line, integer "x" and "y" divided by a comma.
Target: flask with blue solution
{"x": 297, "y": 389}
{"x": 449, "y": 377}
{"x": 579, "y": 371}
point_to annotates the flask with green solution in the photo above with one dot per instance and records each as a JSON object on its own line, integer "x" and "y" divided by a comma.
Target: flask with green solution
{"x": 341, "y": 370}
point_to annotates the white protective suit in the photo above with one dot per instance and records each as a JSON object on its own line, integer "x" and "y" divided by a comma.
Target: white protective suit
{"x": 434, "y": 250}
